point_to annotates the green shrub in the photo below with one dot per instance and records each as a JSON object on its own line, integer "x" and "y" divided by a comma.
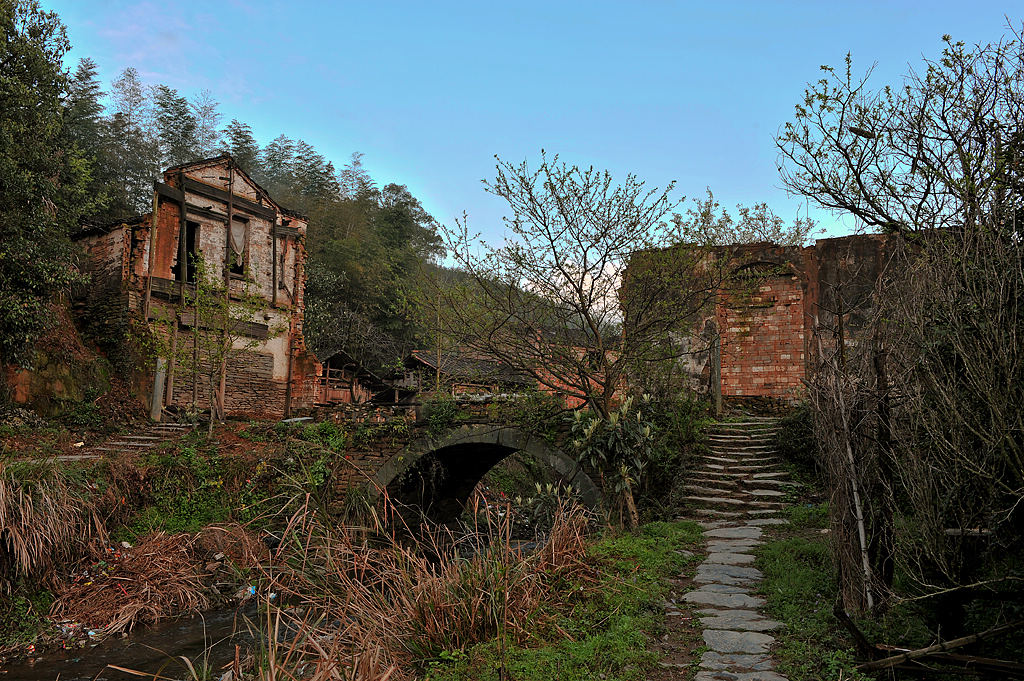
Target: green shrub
{"x": 188, "y": 491}
{"x": 679, "y": 437}
{"x": 24, "y": 615}
{"x": 796, "y": 443}
{"x": 326, "y": 434}
{"x": 442, "y": 412}
{"x": 535, "y": 412}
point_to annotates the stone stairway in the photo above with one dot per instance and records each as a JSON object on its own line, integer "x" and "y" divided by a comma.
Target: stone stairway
{"x": 736, "y": 490}
{"x": 155, "y": 434}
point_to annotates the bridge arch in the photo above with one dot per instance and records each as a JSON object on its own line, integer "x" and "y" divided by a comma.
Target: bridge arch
{"x": 465, "y": 455}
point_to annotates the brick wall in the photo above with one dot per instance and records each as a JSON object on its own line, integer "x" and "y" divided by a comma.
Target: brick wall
{"x": 770, "y": 335}
{"x": 763, "y": 340}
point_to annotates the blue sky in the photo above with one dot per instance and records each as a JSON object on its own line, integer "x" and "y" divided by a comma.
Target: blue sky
{"x": 431, "y": 90}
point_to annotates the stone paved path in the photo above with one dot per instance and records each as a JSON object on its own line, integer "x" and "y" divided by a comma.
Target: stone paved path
{"x": 736, "y": 492}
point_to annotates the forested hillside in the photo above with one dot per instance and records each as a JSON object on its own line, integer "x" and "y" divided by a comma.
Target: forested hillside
{"x": 92, "y": 153}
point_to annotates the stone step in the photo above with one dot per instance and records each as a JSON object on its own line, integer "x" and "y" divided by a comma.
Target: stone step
{"x": 768, "y": 482}
{"x": 710, "y": 478}
{"x": 745, "y": 426}
{"x": 730, "y": 447}
{"x": 749, "y": 503}
{"x": 742, "y": 459}
{"x": 731, "y": 474}
{"x": 131, "y": 443}
{"x": 709, "y": 490}
{"x": 140, "y": 437}
{"x": 776, "y": 474}
{"x": 720, "y": 459}
{"x": 718, "y": 514}
{"x": 766, "y": 435}
{"x": 765, "y": 492}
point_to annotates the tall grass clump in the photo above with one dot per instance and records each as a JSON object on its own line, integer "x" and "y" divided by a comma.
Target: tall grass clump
{"x": 388, "y": 607}
{"x": 46, "y": 521}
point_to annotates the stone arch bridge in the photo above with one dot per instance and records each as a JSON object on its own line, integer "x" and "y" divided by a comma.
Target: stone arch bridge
{"x": 439, "y": 473}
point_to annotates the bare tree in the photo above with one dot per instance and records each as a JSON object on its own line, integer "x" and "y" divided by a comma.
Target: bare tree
{"x": 598, "y": 281}
{"x": 927, "y": 390}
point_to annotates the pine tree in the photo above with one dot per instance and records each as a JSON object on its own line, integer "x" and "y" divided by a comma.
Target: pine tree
{"x": 83, "y": 110}
{"x": 240, "y": 143}
{"x": 86, "y": 128}
{"x": 132, "y": 145}
{"x": 353, "y": 179}
{"x": 176, "y": 127}
{"x": 279, "y": 166}
{"x": 314, "y": 175}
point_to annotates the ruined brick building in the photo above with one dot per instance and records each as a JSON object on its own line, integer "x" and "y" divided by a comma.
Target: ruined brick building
{"x": 764, "y": 343}
{"x": 138, "y": 269}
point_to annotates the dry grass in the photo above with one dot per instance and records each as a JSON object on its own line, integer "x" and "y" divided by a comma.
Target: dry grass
{"x": 236, "y": 541}
{"x": 45, "y": 523}
{"x": 155, "y": 579}
{"x": 373, "y": 608}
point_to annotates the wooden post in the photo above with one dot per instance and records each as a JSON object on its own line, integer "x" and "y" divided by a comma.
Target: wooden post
{"x": 182, "y": 239}
{"x": 225, "y": 338}
{"x": 172, "y": 362}
{"x": 152, "y": 255}
{"x": 273, "y": 262}
{"x": 157, "y": 407}
{"x": 288, "y": 385}
{"x": 716, "y": 370}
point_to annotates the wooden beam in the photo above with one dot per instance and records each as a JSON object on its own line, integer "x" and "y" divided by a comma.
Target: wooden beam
{"x": 250, "y": 329}
{"x": 169, "y": 192}
{"x": 218, "y": 194}
{"x": 205, "y": 213}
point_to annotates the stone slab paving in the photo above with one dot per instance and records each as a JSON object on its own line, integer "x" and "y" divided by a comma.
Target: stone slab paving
{"x": 735, "y": 629}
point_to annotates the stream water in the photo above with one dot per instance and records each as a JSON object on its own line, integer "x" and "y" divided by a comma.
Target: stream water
{"x": 156, "y": 648}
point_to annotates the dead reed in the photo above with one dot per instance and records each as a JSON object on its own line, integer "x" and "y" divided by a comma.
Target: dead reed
{"x": 373, "y": 608}
{"x": 46, "y": 522}
{"x": 155, "y": 579}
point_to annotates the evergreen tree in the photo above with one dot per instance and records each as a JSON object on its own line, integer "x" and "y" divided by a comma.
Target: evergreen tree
{"x": 42, "y": 175}
{"x": 353, "y": 179}
{"x": 314, "y": 175}
{"x": 279, "y": 166}
{"x": 83, "y": 110}
{"x": 86, "y": 128}
{"x": 132, "y": 146}
{"x": 240, "y": 143}
{"x": 176, "y": 127}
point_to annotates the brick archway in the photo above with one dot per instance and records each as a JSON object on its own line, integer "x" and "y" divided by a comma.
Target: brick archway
{"x": 467, "y": 453}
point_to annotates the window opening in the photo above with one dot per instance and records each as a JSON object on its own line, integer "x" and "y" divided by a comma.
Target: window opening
{"x": 191, "y": 239}
{"x": 239, "y": 238}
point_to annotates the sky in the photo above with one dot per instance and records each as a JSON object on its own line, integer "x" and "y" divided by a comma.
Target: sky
{"x": 430, "y": 91}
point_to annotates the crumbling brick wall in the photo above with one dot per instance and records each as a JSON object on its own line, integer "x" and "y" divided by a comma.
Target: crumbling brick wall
{"x": 801, "y": 298}
{"x": 763, "y": 340}
{"x": 137, "y": 280}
